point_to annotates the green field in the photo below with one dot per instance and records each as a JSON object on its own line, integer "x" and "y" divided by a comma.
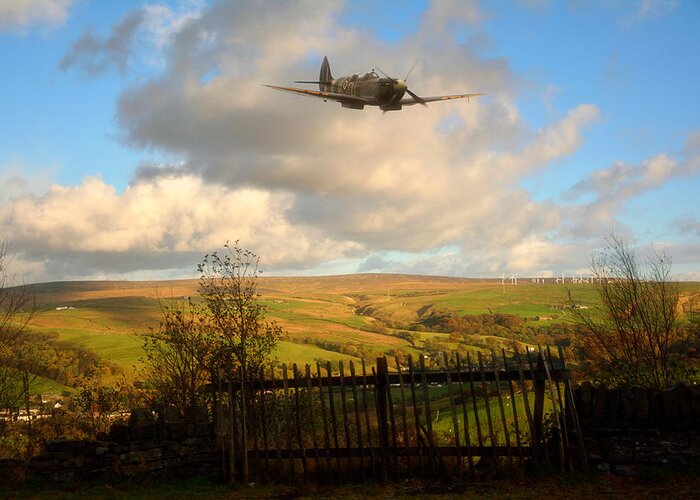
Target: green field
{"x": 369, "y": 311}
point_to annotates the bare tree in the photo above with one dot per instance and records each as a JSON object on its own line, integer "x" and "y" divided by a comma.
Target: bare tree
{"x": 633, "y": 338}
{"x": 18, "y": 306}
{"x": 17, "y": 303}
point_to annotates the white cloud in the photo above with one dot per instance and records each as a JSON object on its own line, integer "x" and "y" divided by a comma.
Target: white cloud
{"x": 622, "y": 181}
{"x": 17, "y": 179}
{"x": 175, "y": 218}
{"x": 19, "y": 15}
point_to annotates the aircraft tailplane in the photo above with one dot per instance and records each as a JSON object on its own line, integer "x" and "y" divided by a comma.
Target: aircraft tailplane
{"x": 325, "y": 78}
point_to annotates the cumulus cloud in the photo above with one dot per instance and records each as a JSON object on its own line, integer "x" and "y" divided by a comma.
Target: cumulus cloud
{"x": 167, "y": 223}
{"x": 19, "y": 15}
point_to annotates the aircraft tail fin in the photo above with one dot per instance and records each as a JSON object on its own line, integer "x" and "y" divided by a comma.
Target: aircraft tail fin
{"x": 325, "y": 78}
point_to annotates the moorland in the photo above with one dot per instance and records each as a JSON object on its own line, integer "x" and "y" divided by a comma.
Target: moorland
{"x": 328, "y": 318}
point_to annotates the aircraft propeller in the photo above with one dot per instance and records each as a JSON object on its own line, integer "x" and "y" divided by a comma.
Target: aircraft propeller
{"x": 401, "y": 86}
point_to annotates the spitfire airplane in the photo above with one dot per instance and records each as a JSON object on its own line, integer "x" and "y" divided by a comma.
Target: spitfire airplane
{"x": 367, "y": 89}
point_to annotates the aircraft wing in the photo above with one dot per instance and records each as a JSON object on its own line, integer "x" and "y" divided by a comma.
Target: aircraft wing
{"x": 411, "y": 101}
{"x": 321, "y": 94}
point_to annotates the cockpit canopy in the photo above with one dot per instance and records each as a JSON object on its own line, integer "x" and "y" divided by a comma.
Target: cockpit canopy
{"x": 364, "y": 76}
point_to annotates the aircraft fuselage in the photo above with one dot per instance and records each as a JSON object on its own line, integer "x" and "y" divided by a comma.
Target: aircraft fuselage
{"x": 371, "y": 88}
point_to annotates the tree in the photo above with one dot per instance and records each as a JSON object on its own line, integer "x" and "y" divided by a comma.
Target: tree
{"x": 633, "y": 338}
{"x": 97, "y": 401}
{"x": 243, "y": 340}
{"x": 18, "y": 306}
{"x": 228, "y": 285}
{"x": 178, "y": 355}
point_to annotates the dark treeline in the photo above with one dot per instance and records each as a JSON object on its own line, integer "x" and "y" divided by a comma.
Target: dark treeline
{"x": 507, "y": 326}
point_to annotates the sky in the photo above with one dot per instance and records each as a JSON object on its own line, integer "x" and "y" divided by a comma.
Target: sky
{"x": 136, "y": 136}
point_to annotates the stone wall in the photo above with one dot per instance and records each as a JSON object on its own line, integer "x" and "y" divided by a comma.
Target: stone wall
{"x": 628, "y": 431}
{"x": 600, "y": 407}
{"x": 151, "y": 444}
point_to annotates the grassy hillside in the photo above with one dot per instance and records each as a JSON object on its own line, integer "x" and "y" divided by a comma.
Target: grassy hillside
{"x": 321, "y": 315}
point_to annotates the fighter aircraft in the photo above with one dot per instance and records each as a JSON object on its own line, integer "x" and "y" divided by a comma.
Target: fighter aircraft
{"x": 367, "y": 89}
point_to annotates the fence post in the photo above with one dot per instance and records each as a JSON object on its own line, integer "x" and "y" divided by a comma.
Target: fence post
{"x": 244, "y": 426}
{"x": 232, "y": 433}
{"x": 573, "y": 413}
{"x": 382, "y": 411}
{"x": 538, "y": 414}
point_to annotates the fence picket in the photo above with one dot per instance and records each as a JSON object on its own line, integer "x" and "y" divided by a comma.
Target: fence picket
{"x": 365, "y": 408}
{"x": 557, "y": 422}
{"x": 465, "y": 416}
{"x": 232, "y": 434}
{"x": 453, "y": 412}
{"x": 403, "y": 410}
{"x": 571, "y": 407}
{"x": 324, "y": 416}
{"x": 312, "y": 415}
{"x": 285, "y": 410}
{"x": 506, "y": 432}
{"x": 514, "y": 408}
{"x": 564, "y": 430}
{"x": 253, "y": 421}
{"x": 334, "y": 422}
{"x": 526, "y": 400}
{"x": 392, "y": 424}
{"x": 263, "y": 418}
{"x": 277, "y": 427}
{"x": 297, "y": 405}
{"x": 358, "y": 421}
{"x": 428, "y": 416}
{"x": 420, "y": 443}
{"x": 344, "y": 408}
{"x": 538, "y": 414}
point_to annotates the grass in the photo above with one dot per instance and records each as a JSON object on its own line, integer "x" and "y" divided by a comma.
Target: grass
{"x": 44, "y": 385}
{"x": 289, "y": 352}
{"x": 663, "y": 483}
{"x": 443, "y": 422}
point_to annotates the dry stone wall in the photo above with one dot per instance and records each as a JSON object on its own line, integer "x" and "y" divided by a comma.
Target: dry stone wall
{"x": 151, "y": 444}
{"x": 631, "y": 430}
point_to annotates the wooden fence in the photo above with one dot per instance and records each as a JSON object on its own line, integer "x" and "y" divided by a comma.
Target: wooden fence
{"x": 449, "y": 416}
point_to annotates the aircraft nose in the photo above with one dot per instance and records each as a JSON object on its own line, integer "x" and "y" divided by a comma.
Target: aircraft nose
{"x": 400, "y": 86}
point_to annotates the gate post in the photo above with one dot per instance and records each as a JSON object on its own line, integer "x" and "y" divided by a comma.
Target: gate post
{"x": 381, "y": 391}
{"x": 538, "y": 414}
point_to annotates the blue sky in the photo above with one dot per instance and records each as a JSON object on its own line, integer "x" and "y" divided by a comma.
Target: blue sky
{"x": 135, "y": 136}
